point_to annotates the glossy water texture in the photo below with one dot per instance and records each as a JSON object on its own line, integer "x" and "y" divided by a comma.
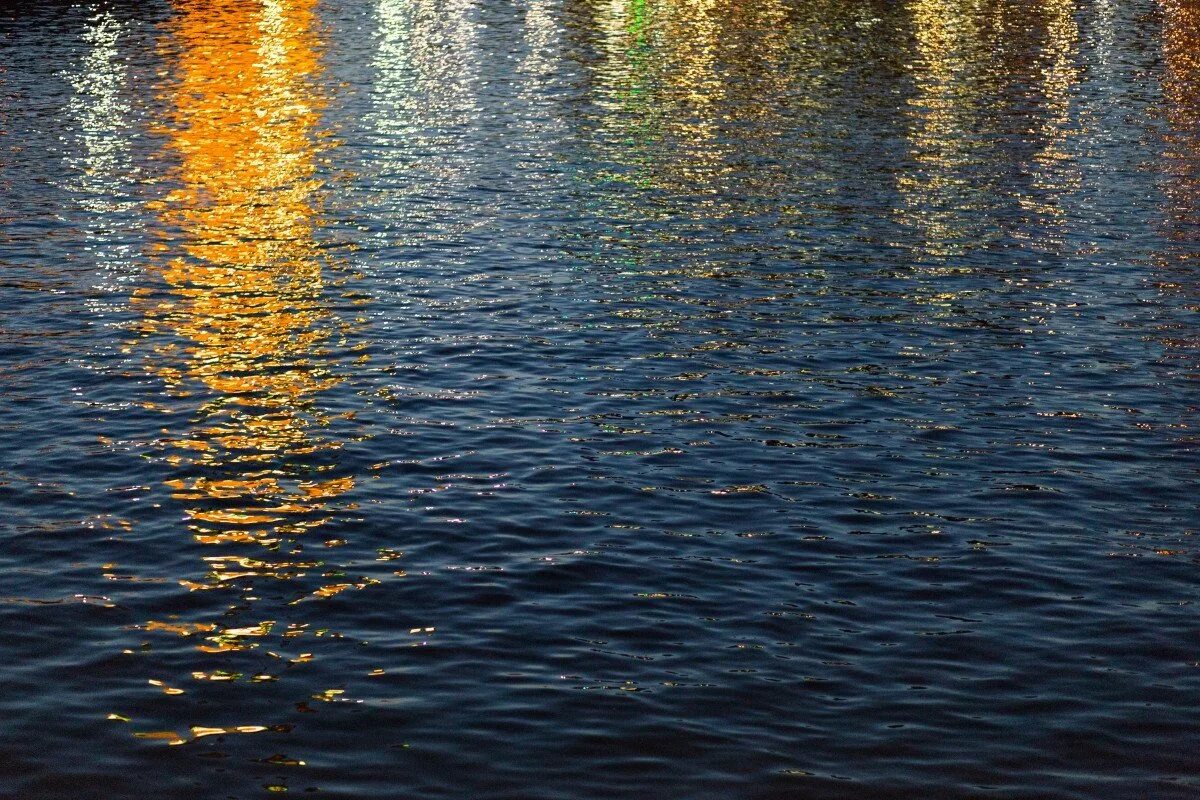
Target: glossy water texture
{"x": 600, "y": 399}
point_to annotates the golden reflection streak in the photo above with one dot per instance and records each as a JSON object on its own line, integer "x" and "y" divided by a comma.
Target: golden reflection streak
{"x": 1181, "y": 91}
{"x": 244, "y": 323}
{"x": 706, "y": 111}
{"x": 1181, "y": 157}
{"x": 969, "y": 61}
{"x": 696, "y": 101}
{"x": 940, "y": 199}
{"x": 662, "y": 81}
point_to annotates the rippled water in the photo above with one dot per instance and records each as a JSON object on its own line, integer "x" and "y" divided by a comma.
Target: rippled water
{"x": 580, "y": 399}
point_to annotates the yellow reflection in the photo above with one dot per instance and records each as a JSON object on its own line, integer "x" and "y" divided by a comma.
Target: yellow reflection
{"x": 1176, "y": 261}
{"x": 241, "y": 333}
{"x": 1181, "y": 162}
{"x": 665, "y": 89}
{"x": 250, "y": 330}
{"x": 1181, "y": 91}
{"x": 942, "y": 199}
{"x": 973, "y": 70}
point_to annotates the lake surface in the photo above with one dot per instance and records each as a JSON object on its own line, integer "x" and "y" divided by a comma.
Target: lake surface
{"x": 575, "y": 399}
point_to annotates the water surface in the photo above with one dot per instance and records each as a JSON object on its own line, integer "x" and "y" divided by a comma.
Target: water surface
{"x": 577, "y": 399}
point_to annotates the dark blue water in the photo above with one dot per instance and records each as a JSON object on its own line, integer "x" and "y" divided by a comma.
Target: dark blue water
{"x": 579, "y": 399}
